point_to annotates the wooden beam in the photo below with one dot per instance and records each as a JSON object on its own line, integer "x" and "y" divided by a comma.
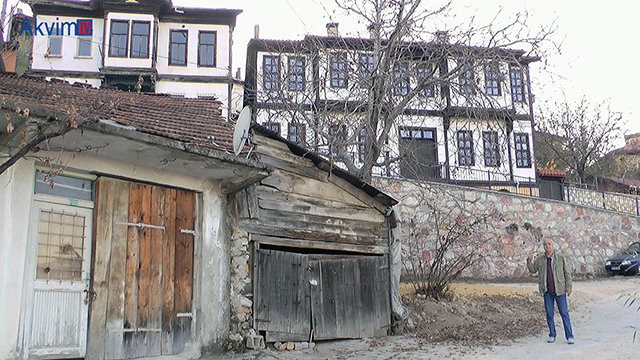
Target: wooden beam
{"x": 308, "y": 244}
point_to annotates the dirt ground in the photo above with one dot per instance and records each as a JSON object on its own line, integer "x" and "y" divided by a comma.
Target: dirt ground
{"x": 495, "y": 321}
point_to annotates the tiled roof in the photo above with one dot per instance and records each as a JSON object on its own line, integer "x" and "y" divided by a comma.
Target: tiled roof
{"x": 627, "y": 182}
{"x": 195, "y": 121}
{"x": 551, "y": 173}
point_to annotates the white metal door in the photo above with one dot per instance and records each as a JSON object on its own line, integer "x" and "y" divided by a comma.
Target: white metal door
{"x": 59, "y": 280}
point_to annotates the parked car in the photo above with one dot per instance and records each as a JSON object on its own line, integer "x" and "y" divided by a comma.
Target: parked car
{"x": 626, "y": 263}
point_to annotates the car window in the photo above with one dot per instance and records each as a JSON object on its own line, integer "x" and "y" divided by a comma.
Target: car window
{"x": 635, "y": 247}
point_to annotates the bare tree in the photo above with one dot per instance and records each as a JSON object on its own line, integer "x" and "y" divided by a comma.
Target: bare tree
{"x": 445, "y": 238}
{"x": 399, "y": 74}
{"x": 576, "y": 136}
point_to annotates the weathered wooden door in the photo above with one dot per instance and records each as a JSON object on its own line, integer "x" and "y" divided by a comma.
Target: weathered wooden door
{"x": 345, "y": 297}
{"x": 58, "y": 312}
{"x": 143, "y": 270}
{"x": 351, "y": 299}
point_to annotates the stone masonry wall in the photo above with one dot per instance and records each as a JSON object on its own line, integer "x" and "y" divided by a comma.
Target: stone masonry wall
{"x": 585, "y": 236}
{"x": 241, "y": 290}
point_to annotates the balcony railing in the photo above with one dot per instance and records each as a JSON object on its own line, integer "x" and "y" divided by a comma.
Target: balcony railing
{"x": 584, "y": 195}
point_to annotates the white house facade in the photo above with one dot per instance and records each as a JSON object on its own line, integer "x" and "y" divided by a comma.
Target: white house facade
{"x": 473, "y": 123}
{"x": 150, "y": 45}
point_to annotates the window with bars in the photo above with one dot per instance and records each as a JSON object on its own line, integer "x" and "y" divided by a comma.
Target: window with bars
{"x": 61, "y": 245}
{"x": 207, "y": 48}
{"x": 424, "y": 72}
{"x": 401, "y": 77}
{"x": 517, "y": 85}
{"x": 338, "y": 71}
{"x": 523, "y": 155}
{"x": 492, "y": 79}
{"x": 178, "y": 47}
{"x": 297, "y": 133}
{"x": 140, "y": 39}
{"x": 271, "y": 72}
{"x": 273, "y": 126}
{"x": 466, "y": 79}
{"x": 118, "y": 38}
{"x": 296, "y": 73}
{"x": 491, "y": 148}
{"x": 465, "y": 148}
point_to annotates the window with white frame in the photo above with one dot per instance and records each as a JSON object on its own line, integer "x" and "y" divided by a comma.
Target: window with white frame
{"x": 492, "y": 79}
{"x": 338, "y": 70}
{"x": 517, "y": 85}
{"x": 491, "y": 148}
{"x": 424, "y": 73}
{"x": 465, "y": 148}
{"x": 84, "y": 46}
{"x": 118, "y": 38}
{"x": 273, "y": 126}
{"x": 140, "y": 39}
{"x": 401, "y": 78}
{"x": 54, "y": 48}
{"x": 466, "y": 79}
{"x": 271, "y": 72}
{"x": 295, "y": 70}
{"x": 296, "y": 133}
{"x": 523, "y": 154}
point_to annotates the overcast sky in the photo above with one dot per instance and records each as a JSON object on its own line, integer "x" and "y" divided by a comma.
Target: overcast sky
{"x": 599, "y": 40}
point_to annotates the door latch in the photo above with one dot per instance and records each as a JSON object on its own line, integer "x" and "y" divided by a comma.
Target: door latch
{"x": 89, "y": 296}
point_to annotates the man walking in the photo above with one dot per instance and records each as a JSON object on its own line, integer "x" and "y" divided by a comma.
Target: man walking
{"x": 554, "y": 281}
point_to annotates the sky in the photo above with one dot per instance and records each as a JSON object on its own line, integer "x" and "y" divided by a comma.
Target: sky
{"x": 598, "y": 41}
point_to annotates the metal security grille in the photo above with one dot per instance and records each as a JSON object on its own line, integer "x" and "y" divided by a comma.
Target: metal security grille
{"x": 61, "y": 245}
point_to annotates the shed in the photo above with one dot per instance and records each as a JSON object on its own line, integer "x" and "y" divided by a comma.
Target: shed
{"x": 317, "y": 249}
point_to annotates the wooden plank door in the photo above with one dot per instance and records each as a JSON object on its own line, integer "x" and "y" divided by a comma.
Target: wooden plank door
{"x": 143, "y": 270}
{"x": 351, "y": 299}
{"x": 282, "y": 303}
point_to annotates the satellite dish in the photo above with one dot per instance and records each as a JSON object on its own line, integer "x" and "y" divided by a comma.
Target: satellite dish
{"x": 241, "y": 131}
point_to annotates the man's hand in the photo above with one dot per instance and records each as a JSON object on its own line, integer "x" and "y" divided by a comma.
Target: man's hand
{"x": 568, "y": 292}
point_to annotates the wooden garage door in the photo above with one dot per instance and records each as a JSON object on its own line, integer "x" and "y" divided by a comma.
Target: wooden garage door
{"x": 335, "y": 296}
{"x": 143, "y": 270}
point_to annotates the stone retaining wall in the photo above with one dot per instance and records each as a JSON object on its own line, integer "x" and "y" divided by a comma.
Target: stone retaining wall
{"x": 586, "y": 236}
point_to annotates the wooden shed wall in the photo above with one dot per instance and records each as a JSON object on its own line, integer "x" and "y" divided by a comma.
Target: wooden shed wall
{"x": 299, "y": 205}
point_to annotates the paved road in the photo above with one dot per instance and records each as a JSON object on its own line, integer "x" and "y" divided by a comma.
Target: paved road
{"x": 602, "y": 328}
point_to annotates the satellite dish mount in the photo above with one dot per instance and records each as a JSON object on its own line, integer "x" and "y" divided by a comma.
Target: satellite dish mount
{"x": 241, "y": 134}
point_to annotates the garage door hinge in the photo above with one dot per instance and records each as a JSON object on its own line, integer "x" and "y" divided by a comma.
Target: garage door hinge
{"x": 141, "y": 225}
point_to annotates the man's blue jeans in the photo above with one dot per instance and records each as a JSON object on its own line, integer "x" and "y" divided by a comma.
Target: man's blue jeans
{"x": 561, "y": 300}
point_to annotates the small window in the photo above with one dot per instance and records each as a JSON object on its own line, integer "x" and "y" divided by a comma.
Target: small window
{"x": 492, "y": 79}
{"x": 296, "y": 133}
{"x": 84, "y": 46}
{"x": 55, "y": 46}
{"x": 491, "y": 148}
{"x": 178, "y": 47}
{"x": 140, "y": 39}
{"x": 339, "y": 70}
{"x": 362, "y": 138}
{"x": 401, "y": 78}
{"x": 466, "y": 80}
{"x": 523, "y": 155}
{"x": 465, "y": 148}
{"x": 517, "y": 85}
{"x": 424, "y": 73}
{"x": 118, "y": 40}
{"x": 273, "y": 126}
{"x": 337, "y": 136}
{"x": 296, "y": 73}
{"x": 271, "y": 72}
{"x": 366, "y": 66}
{"x": 61, "y": 245}
{"x": 207, "y": 48}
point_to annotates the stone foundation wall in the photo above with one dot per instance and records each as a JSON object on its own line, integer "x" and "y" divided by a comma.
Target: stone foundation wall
{"x": 241, "y": 291}
{"x": 586, "y": 236}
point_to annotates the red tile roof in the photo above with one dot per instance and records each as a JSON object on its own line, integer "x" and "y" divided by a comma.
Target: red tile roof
{"x": 195, "y": 121}
{"x": 627, "y": 182}
{"x": 551, "y": 173}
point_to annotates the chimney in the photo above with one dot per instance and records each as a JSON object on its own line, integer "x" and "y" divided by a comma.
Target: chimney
{"x": 332, "y": 30}
{"x": 442, "y": 37}
{"x": 19, "y": 11}
{"x": 238, "y": 74}
{"x": 256, "y": 31}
